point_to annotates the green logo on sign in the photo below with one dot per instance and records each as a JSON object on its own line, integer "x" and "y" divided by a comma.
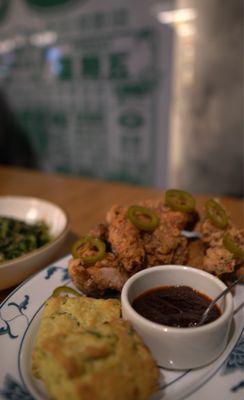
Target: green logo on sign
{"x": 47, "y": 3}
{"x": 131, "y": 120}
{"x": 135, "y": 89}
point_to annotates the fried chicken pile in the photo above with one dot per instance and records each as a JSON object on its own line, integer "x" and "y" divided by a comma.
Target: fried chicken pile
{"x": 218, "y": 259}
{"x": 129, "y": 249}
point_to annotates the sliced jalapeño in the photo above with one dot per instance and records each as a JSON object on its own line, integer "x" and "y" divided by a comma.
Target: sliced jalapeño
{"x": 179, "y": 200}
{"x": 216, "y": 213}
{"x": 96, "y": 246}
{"x": 143, "y": 218}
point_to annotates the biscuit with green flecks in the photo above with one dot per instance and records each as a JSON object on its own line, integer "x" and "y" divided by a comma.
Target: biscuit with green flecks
{"x": 98, "y": 357}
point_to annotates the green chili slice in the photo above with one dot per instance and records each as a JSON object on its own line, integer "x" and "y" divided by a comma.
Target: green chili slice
{"x": 216, "y": 213}
{"x": 65, "y": 289}
{"x": 232, "y": 246}
{"x": 143, "y": 218}
{"x": 96, "y": 245}
{"x": 179, "y": 200}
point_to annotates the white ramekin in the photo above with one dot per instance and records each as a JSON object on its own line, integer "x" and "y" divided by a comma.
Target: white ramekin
{"x": 179, "y": 348}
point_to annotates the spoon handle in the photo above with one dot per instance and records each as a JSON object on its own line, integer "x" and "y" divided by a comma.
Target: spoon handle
{"x": 212, "y": 304}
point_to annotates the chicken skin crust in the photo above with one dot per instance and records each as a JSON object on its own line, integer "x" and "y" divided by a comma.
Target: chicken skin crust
{"x": 98, "y": 278}
{"x": 217, "y": 259}
{"x": 129, "y": 249}
{"x": 125, "y": 239}
{"x": 166, "y": 244}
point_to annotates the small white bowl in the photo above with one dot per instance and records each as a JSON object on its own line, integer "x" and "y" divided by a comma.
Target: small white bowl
{"x": 179, "y": 348}
{"x": 31, "y": 210}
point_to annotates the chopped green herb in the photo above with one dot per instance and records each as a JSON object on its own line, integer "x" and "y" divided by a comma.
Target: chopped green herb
{"x": 18, "y": 238}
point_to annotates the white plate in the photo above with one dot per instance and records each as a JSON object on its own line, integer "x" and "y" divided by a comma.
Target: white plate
{"x": 31, "y": 210}
{"x": 21, "y": 312}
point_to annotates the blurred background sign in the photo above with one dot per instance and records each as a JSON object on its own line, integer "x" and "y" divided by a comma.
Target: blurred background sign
{"x": 89, "y": 84}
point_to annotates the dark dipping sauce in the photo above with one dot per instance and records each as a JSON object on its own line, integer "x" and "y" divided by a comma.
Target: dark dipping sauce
{"x": 178, "y": 306}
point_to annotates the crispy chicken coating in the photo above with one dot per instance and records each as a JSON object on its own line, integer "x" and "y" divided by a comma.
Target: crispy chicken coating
{"x": 196, "y": 253}
{"x": 130, "y": 248}
{"x": 166, "y": 245}
{"x": 177, "y": 219}
{"x": 217, "y": 259}
{"x": 125, "y": 239}
{"x": 102, "y": 275}
{"x": 238, "y": 235}
{"x": 211, "y": 235}
{"x": 98, "y": 278}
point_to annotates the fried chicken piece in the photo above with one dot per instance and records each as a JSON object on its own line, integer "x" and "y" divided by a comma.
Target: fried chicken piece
{"x": 178, "y": 219}
{"x": 162, "y": 246}
{"x": 218, "y": 261}
{"x": 211, "y": 235}
{"x": 96, "y": 279}
{"x": 196, "y": 253}
{"x": 238, "y": 236}
{"x": 166, "y": 244}
{"x": 180, "y": 254}
{"x": 125, "y": 239}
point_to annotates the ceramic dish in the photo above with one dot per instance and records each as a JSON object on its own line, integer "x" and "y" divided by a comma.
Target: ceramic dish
{"x": 30, "y": 210}
{"x": 172, "y": 347}
{"x": 20, "y": 314}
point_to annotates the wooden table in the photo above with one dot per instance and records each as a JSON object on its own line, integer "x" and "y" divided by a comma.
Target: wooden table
{"x": 85, "y": 200}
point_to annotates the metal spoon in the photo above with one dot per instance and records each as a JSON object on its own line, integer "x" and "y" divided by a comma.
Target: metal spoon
{"x": 213, "y": 302}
